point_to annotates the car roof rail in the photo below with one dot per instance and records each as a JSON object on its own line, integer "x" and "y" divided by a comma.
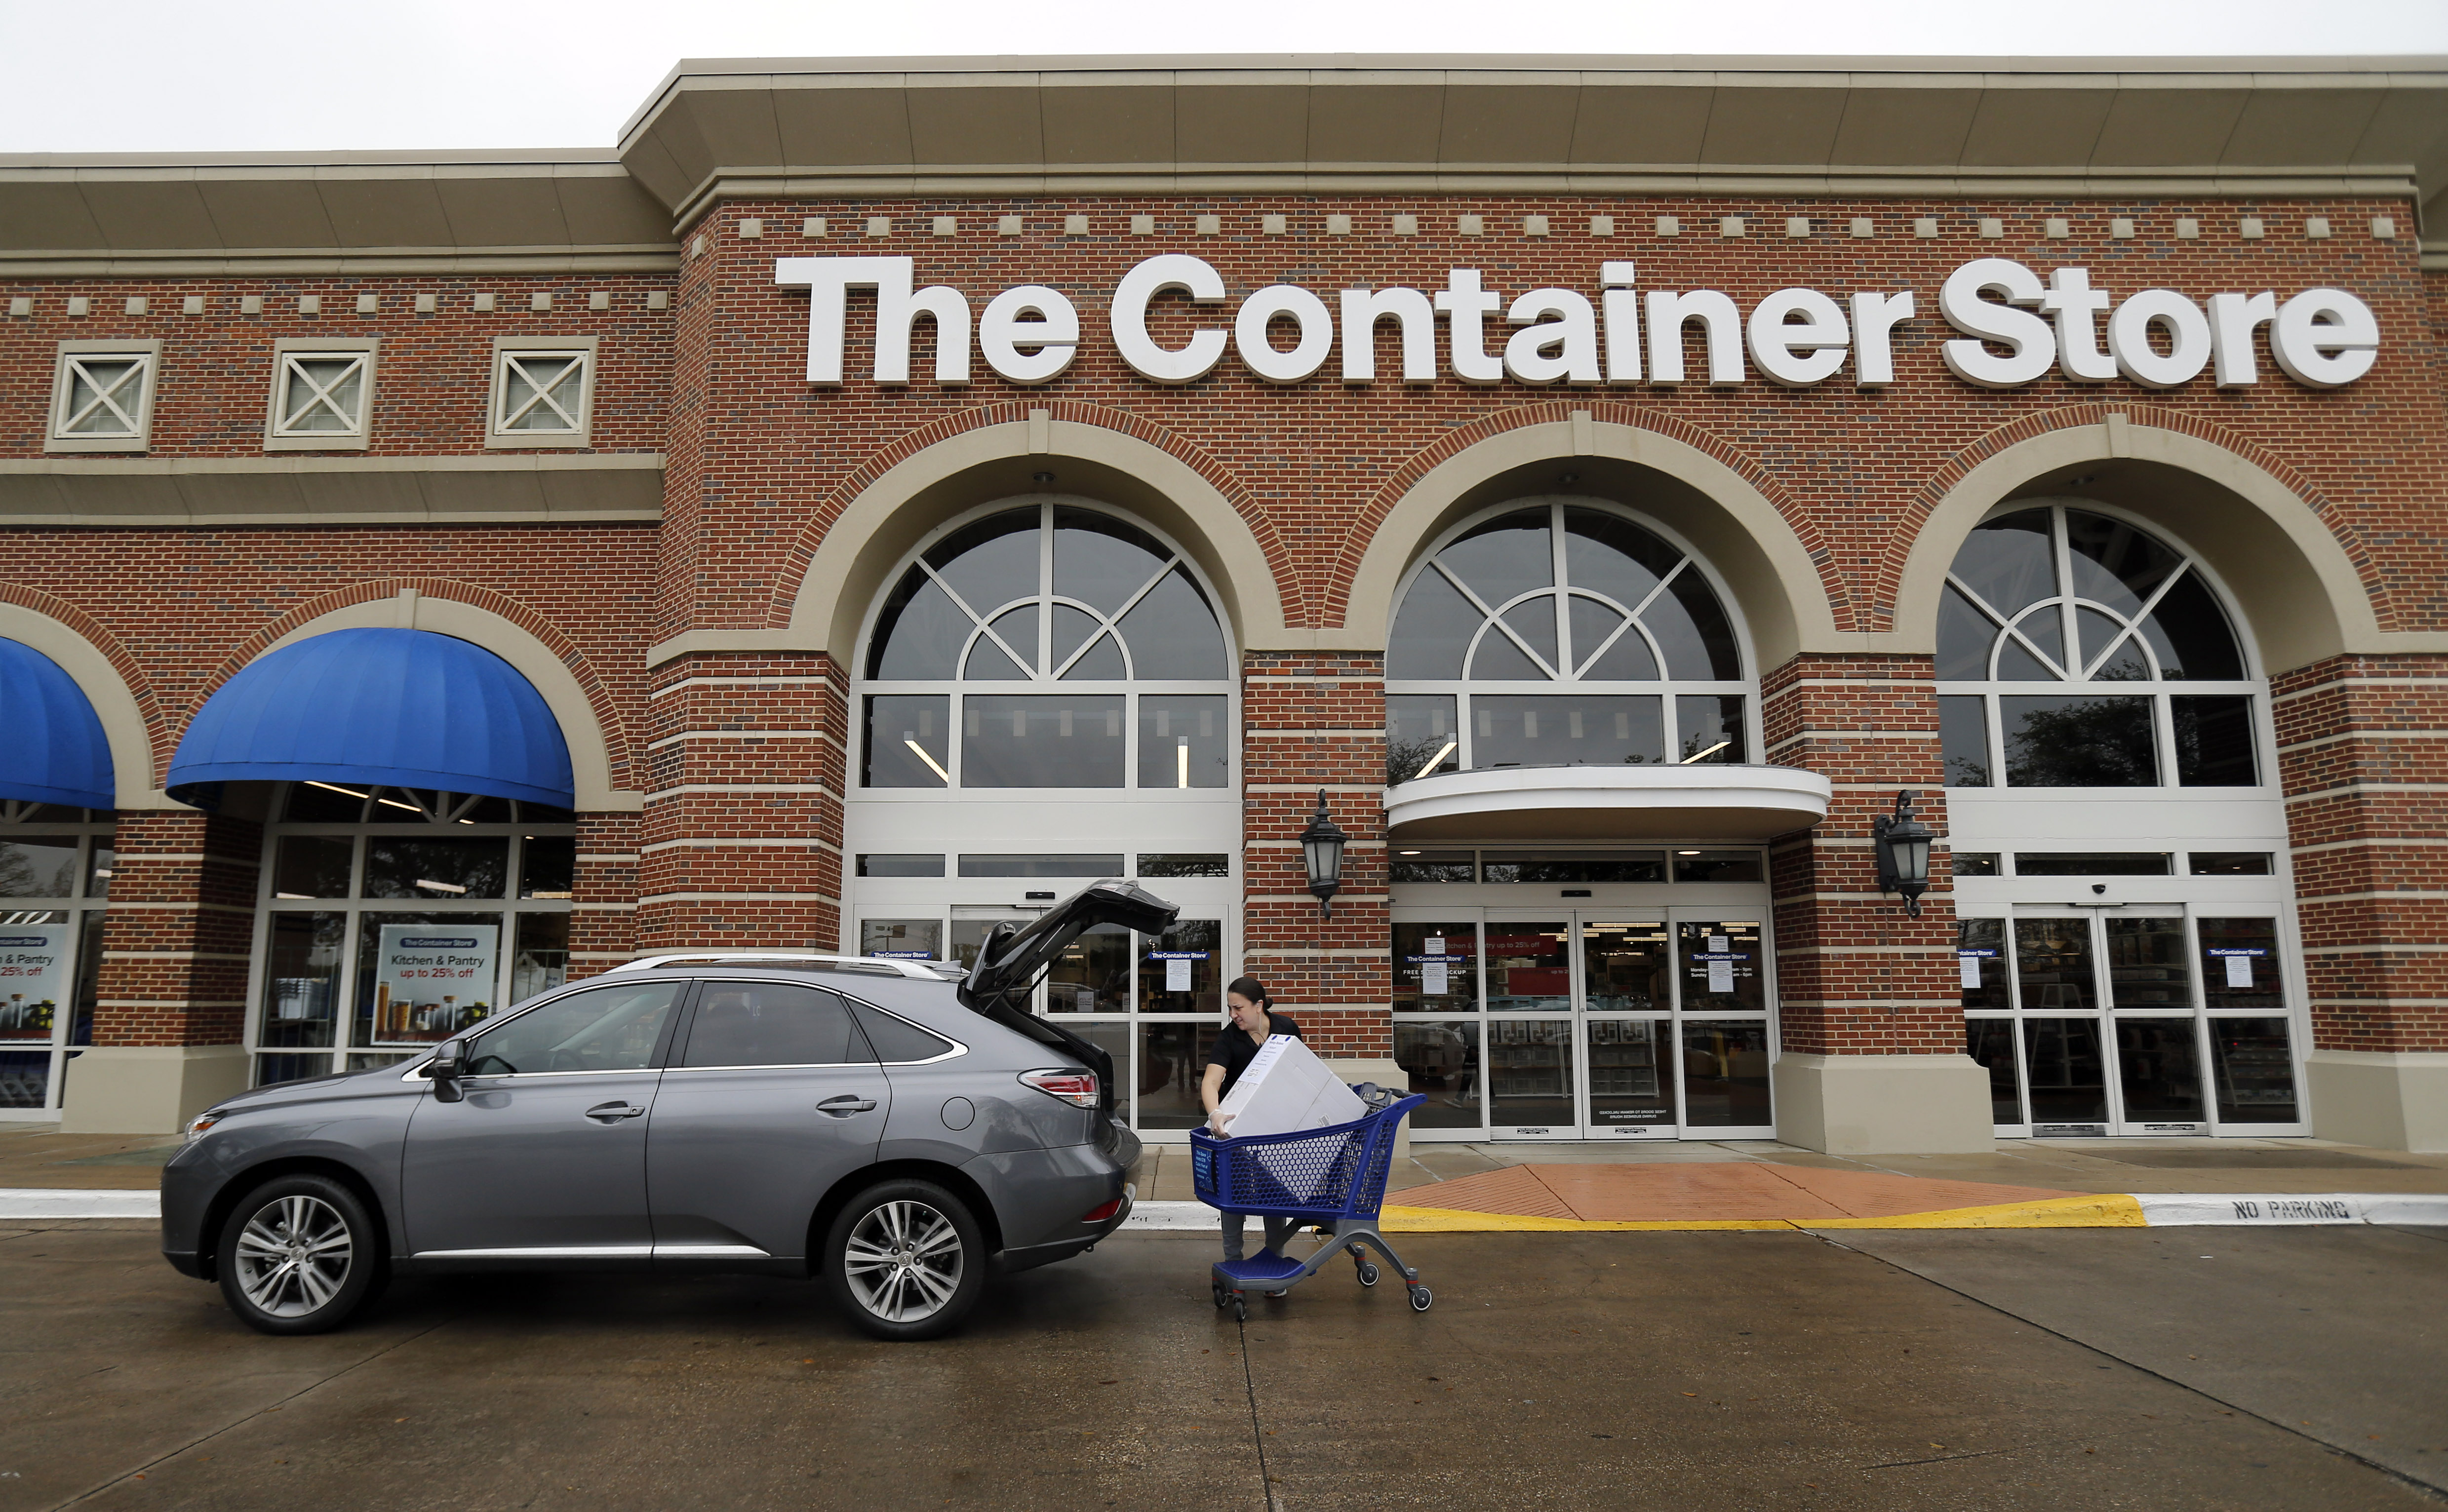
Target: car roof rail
{"x": 865, "y": 965}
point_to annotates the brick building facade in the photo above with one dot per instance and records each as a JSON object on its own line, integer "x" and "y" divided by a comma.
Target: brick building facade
{"x": 2151, "y": 911}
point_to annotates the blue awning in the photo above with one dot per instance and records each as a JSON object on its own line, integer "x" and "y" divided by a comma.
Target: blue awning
{"x": 54, "y": 750}
{"x": 408, "y": 708}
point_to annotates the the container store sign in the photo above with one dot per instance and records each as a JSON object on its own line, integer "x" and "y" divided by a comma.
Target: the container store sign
{"x": 2017, "y": 323}
{"x": 433, "y": 981}
{"x": 33, "y": 979}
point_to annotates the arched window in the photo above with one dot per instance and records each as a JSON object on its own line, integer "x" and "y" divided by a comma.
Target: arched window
{"x": 2075, "y": 650}
{"x": 1560, "y": 633}
{"x": 1069, "y": 648}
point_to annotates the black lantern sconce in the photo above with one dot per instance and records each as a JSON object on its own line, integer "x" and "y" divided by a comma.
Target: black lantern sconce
{"x": 1322, "y": 847}
{"x": 1903, "y": 845}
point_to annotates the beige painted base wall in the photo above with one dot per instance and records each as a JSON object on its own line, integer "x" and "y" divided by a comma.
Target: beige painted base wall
{"x": 148, "y": 1089}
{"x": 1884, "y": 1104}
{"x": 2387, "y": 1100}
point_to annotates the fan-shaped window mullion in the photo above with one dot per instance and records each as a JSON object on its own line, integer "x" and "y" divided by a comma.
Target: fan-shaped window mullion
{"x": 2088, "y": 667}
{"x": 1026, "y": 663}
{"x": 1465, "y": 589}
{"x": 2027, "y": 644}
{"x": 1515, "y": 635}
{"x": 1582, "y": 663}
{"x": 1976, "y": 601}
{"x": 1114, "y": 625}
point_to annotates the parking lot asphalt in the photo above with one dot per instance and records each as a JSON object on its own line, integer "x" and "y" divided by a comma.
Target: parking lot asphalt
{"x": 2016, "y": 1369}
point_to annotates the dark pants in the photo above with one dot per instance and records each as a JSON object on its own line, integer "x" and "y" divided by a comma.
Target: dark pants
{"x": 1279, "y": 1233}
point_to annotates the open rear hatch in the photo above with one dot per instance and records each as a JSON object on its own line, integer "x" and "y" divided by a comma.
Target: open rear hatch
{"x": 1011, "y": 962}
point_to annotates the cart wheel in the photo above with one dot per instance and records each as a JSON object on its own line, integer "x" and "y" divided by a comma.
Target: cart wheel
{"x": 1367, "y": 1272}
{"x": 1216, "y": 1289}
{"x": 1421, "y": 1298}
{"x": 1240, "y": 1311}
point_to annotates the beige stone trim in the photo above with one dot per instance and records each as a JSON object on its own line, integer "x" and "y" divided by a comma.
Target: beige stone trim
{"x": 1731, "y": 526}
{"x": 344, "y": 491}
{"x": 590, "y": 763}
{"x": 891, "y": 515}
{"x": 122, "y": 722}
{"x": 2302, "y": 599}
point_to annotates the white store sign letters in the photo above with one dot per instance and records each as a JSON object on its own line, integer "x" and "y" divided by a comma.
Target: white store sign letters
{"x": 2016, "y": 328}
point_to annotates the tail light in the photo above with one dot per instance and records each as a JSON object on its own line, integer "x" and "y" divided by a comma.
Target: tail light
{"x": 1074, "y": 1086}
{"x": 1103, "y": 1212}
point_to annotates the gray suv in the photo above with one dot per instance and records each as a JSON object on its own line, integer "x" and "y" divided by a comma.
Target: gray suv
{"x": 899, "y": 1127}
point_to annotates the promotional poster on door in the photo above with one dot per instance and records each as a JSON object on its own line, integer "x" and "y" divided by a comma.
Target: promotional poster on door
{"x": 33, "y": 978}
{"x": 433, "y": 981}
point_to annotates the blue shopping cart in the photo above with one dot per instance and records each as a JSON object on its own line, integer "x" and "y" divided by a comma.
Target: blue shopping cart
{"x": 1333, "y": 1178}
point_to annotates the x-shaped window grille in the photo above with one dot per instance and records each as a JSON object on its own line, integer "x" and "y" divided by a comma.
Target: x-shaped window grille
{"x": 106, "y": 395}
{"x": 322, "y": 394}
{"x": 540, "y": 390}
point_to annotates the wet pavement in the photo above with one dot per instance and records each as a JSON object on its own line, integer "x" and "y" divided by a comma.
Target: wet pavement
{"x": 2049, "y": 1371}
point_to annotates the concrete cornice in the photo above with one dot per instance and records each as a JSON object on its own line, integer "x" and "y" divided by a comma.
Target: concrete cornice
{"x": 109, "y": 493}
{"x": 125, "y": 214}
{"x": 2248, "y": 128}
{"x": 2252, "y": 128}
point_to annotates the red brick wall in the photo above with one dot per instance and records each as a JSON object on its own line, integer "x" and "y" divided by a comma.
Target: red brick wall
{"x": 743, "y": 756}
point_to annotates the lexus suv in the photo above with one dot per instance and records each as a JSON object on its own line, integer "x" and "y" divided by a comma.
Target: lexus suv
{"x": 900, "y": 1127}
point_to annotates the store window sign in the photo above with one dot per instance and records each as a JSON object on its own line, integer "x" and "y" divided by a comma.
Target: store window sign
{"x": 34, "y": 977}
{"x": 2017, "y": 327}
{"x": 432, "y": 982}
{"x": 2239, "y": 964}
{"x": 1970, "y": 962}
{"x": 1177, "y": 967}
{"x": 1436, "y": 971}
{"x": 1720, "y": 966}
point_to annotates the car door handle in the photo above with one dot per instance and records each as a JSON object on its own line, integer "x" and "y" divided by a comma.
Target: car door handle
{"x": 610, "y": 1113}
{"x": 843, "y": 1106}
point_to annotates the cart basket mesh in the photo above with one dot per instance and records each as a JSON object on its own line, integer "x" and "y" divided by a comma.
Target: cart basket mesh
{"x": 1322, "y": 1175}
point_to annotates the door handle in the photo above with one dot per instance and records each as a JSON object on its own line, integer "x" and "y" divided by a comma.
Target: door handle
{"x": 843, "y": 1106}
{"x": 611, "y": 1113}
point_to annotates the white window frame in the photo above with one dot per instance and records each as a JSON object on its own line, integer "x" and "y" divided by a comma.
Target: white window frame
{"x": 286, "y": 354}
{"x": 1666, "y": 689}
{"x": 72, "y": 353}
{"x": 507, "y": 349}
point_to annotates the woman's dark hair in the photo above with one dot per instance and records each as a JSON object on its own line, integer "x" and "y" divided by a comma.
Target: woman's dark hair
{"x": 1253, "y": 990}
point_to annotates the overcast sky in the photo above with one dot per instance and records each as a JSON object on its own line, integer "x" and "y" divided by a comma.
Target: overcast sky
{"x": 227, "y": 75}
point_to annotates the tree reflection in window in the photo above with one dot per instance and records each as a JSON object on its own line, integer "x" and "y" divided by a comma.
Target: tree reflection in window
{"x": 2051, "y": 598}
{"x": 1560, "y": 633}
{"x": 1059, "y": 611}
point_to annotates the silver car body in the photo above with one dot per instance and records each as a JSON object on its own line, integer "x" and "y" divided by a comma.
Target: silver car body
{"x": 680, "y": 1167}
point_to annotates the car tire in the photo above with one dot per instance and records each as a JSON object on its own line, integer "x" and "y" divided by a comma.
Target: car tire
{"x": 300, "y": 1254}
{"x": 905, "y": 1261}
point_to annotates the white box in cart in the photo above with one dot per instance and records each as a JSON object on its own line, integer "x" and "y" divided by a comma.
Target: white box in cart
{"x": 1285, "y": 1089}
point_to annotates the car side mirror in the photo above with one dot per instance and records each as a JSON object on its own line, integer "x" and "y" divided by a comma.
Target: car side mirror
{"x": 448, "y": 1065}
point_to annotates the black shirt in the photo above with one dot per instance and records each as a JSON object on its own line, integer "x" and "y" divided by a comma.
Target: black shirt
{"x": 1234, "y": 1050}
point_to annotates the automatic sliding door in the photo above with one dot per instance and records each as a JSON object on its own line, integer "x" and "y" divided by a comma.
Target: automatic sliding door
{"x": 1533, "y": 1092}
{"x": 1722, "y": 1044}
{"x": 1628, "y": 1061}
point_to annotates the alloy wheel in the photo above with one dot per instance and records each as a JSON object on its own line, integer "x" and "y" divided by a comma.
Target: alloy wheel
{"x": 294, "y": 1256}
{"x": 904, "y": 1261}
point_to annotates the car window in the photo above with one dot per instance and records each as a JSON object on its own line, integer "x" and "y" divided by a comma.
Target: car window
{"x": 896, "y": 1041}
{"x": 602, "y": 1029}
{"x": 772, "y": 1024}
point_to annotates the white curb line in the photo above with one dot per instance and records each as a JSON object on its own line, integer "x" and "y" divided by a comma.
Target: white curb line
{"x": 2161, "y": 1209}
{"x": 43, "y": 1202}
{"x": 2262, "y": 1210}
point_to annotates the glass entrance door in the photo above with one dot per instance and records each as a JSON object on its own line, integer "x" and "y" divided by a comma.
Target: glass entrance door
{"x": 1616, "y": 1023}
{"x": 2149, "y": 1018}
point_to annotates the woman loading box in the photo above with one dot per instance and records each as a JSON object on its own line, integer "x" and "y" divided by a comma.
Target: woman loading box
{"x": 1253, "y": 1019}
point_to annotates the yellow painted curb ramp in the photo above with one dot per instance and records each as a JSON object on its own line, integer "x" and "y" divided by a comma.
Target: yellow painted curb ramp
{"x": 2113, "y": 1211}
